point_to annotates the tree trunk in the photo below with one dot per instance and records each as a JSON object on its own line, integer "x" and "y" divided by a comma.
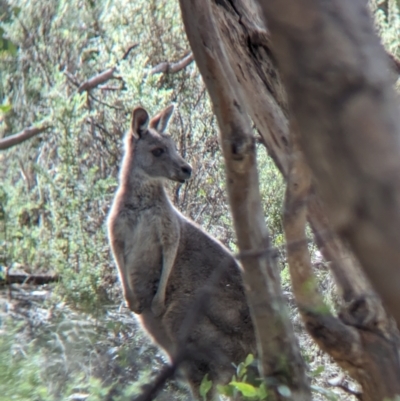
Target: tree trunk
{"x": 336, "y": 74}
{"x": 281, "y": 362}
{"x": 363, "y": 339}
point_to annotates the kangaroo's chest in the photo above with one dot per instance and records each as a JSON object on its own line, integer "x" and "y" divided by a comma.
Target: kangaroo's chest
{"x": 144, "y": 229}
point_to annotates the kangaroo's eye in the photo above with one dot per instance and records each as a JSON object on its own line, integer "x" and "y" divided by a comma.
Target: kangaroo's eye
{"x": 157, "y": 152}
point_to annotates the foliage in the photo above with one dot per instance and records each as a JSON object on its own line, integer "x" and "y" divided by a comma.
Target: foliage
{"x": 386, "y": 14}
{"x": 59, "y": 186}
{"x": 245, "y": 382}
{"x": 19, "y": 376}
{"x": 55, "y": 189}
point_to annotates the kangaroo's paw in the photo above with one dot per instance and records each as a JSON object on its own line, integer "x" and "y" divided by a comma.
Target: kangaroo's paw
{"x": 157, "y": 306}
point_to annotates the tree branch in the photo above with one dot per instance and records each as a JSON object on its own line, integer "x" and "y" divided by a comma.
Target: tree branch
{"x": 97, "y": 80}
{"x": 22, "y": 136}
{"x": 330, "y": 333}
{"x": 172, "y": 68}
{"x": 104, "y": 76}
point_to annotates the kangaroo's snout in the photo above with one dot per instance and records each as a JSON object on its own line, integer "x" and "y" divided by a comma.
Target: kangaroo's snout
{"x": 187, "y": 170}
{"x": 182, "y": 171}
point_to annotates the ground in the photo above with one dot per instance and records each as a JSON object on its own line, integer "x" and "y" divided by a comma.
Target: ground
{"x": 105, "y": 354}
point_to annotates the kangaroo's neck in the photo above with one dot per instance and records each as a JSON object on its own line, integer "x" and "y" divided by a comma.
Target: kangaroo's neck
{"x": 136, "y": 188}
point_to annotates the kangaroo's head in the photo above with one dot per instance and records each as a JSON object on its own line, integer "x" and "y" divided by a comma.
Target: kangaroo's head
{"x": 154, "y": 152}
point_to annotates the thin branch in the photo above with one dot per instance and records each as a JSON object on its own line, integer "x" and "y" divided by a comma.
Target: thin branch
{"x": 105, "y": 104}
{"x": 172, "y": 68}
{"x": 71, "y": 78}
{"x": 130, "y": 48}
{"x": 104, "y": 76}
{"x": 97, "y": 80}
{"x": 25, "y": 134}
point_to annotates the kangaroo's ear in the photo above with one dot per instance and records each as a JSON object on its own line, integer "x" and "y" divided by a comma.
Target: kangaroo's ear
{"x": 160, "y": 121}
{"x": 140, "y": 121}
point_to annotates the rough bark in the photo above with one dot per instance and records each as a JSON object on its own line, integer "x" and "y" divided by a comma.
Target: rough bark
{"x": 277, "y": 346}
{"x": 248, "y": 49}
{"x": 339, "y": 90}
{"x": 369, "y": 357}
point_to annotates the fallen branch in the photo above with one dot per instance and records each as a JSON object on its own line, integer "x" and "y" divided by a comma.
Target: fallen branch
{"x": 25, "y": 134}
{"x": 24, "y": 278}
{"x": 172, "y": 68}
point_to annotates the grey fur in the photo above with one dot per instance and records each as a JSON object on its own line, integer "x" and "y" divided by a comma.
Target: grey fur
{"x": 164, "y": 259}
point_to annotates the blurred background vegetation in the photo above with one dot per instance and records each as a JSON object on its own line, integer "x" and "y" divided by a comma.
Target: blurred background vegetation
{"x": 55, "y": 189}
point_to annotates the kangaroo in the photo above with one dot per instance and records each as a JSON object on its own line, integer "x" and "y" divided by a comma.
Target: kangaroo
{"x": 164, "y": 260}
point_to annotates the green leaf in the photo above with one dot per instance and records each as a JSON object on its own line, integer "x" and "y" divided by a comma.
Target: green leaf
{"x": 241, "y": 370}
{"x": 262, "y": 391}
{"x": 246, "y": 389}
{"x": 225, "y": 390}
{"x": 205, "y": 386}
{"x": 249, "y": 360}
{"x": 5, "y": 108}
